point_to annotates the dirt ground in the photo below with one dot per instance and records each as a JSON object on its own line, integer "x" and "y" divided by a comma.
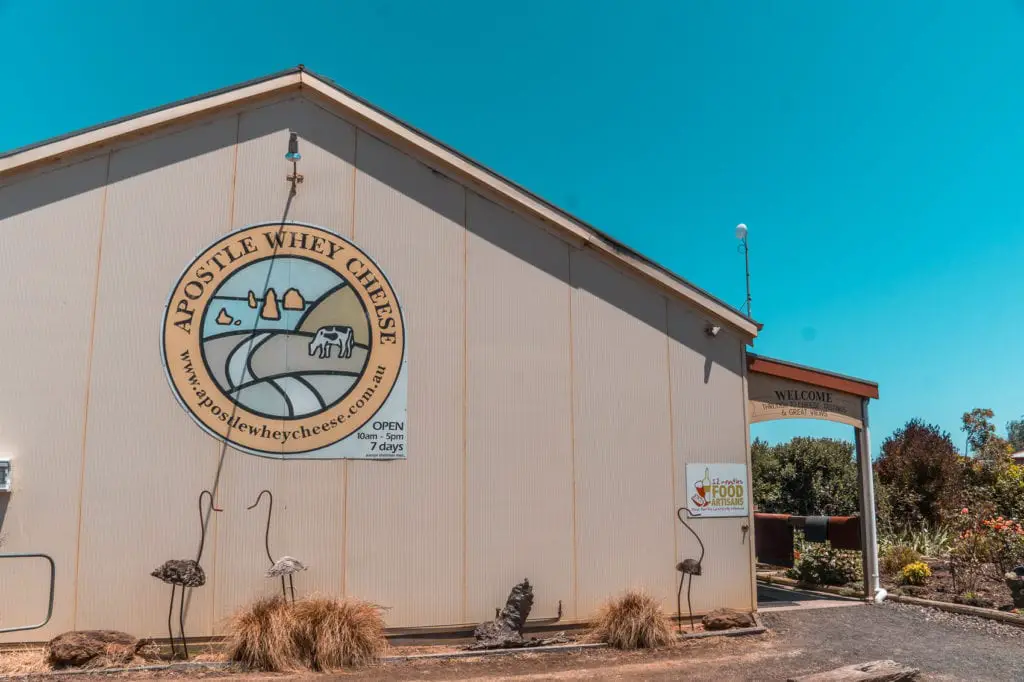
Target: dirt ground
{"x": 945, "y": 647}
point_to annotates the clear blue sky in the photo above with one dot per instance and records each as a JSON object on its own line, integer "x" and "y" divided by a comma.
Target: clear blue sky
{"x": 874, "y": 148}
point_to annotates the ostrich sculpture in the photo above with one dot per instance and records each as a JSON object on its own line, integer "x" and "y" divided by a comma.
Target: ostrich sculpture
{"x": 184, "y": 573}
{"x": 687, "y": 567}
{"x": 286, "y": 565}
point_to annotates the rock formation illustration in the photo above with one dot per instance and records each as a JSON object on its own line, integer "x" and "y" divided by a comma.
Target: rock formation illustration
{"x": 270, "y": 310}
{"x": 252, "y": 300}
{"x": 224, "y": 318}
{"x": 293, "y": 300}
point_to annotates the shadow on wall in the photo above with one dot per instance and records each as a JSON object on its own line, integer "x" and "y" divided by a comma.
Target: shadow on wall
{"x": 581, "y": 269}
{"x": 5, "y": 499}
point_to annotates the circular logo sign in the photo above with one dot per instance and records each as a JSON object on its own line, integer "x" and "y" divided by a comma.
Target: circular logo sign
{"x": 283, "y": 339}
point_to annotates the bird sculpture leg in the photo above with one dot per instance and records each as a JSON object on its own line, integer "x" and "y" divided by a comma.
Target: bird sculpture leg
{"x": 689, "y": 606}
{"x": 170, "y": 629}
{"x": 679, "y": 607}
{"x": 284, "y": 589}
{"x": 291, "y": 584}
{"x": 181, "y": 620}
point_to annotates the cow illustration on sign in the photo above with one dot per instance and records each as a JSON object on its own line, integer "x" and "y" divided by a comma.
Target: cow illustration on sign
{"x": 332, "y": 335}
{"x": 702, "y": 487}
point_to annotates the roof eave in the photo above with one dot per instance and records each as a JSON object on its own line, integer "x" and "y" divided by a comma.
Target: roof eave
{"x": 469, "y": 171}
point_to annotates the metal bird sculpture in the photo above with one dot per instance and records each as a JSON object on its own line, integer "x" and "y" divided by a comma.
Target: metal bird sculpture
{"x": 184, "y": 573}
{"x": 286, "y": 565}
{"x": 687, "y": 567}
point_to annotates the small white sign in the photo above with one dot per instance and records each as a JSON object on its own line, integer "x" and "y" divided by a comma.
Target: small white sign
{"x": 717, "y": 490}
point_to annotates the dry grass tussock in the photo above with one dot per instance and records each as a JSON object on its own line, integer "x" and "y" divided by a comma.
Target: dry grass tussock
{"x": 316, "y": 633}
{"x": 22, "y": 661}
{"x": 260, "y": 636}
{"x": 632, "y": 621}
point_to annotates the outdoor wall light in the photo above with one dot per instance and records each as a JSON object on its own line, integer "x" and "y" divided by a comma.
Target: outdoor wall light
{"x": 712, "y": 329}
{"x": 5, "y": 475}
{"x": 293, "y": 155}
{"x": 293, "y": 148}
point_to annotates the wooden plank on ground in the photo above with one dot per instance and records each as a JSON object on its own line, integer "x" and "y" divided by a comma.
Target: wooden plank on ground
{"x": 874, "y": 671}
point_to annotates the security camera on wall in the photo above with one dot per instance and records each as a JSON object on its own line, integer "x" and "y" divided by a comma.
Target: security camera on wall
{"x": 712, "y": 329}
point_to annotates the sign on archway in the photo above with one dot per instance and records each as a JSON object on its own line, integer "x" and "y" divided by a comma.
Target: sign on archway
{"x": 777, "y": 398}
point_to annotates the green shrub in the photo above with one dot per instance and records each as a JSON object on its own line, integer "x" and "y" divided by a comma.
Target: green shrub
{"x": 805, "y": 476}
{"x": 916, "y": 573}
{"x": 820, "y": 564}
{"x": 932, "y": 541}
{"x": 919, "y": 476}
{"x": 894, "y": 557}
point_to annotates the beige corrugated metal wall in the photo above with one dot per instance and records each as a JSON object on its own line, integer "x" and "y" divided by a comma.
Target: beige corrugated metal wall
{"x": 145, "y": 462}
{"x": 707, "y": 382}
{"x": 47, "y": 279}
{"x": 553, "y": 400}
{"x": 405, "y": 530}
{"x": 624, "y": 477}
{"x": 519, "y": 502}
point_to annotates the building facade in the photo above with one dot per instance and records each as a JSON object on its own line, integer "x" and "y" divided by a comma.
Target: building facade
{"x": 553, "y": 388}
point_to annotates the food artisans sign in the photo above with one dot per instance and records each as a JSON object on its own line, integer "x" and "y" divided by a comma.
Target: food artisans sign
{"x": 717, "y": 489}
{"x": 288, "y": 341}
{"x": 776, "y": 398}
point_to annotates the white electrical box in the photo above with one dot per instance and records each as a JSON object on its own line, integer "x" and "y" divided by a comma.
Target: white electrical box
{"x": 5, "y": 475}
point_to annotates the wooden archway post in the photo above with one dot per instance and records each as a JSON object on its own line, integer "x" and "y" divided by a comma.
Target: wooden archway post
{"x": 868, "y": 526}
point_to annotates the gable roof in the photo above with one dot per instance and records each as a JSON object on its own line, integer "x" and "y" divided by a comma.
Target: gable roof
{"x": 436, "y": 153}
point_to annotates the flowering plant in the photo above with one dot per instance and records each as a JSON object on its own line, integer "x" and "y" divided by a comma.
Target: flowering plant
{"x": 916, "y": 573}
{"x": 983, "y": 539}
{"x": 1006, "y": 542}
{"x": 972, "y": 549}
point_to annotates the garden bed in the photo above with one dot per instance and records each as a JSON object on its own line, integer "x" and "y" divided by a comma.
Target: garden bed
{"x": 991, "y": 591}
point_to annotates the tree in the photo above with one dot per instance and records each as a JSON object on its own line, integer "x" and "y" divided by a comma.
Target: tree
{"x": 1015, "y": 434}
{"x": 981, "y": 435}
{"x": 806, "y": 476}
{"x": 920, "y": 471}
{"x": 978, "y": 426}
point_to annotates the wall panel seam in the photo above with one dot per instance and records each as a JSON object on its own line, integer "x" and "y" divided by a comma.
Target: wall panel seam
{"x": 465, "y": 403}
{"x": 671, "y": 430}
{"x": 750, "y": 473}
{"x": 345, "y": 464}
{"x": 223, "y": 451}
{"x": 572, "y": 437}
{"x": 88, "y": 387}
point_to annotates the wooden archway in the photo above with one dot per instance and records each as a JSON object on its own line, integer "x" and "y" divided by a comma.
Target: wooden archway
{"x": 777, "y": 389}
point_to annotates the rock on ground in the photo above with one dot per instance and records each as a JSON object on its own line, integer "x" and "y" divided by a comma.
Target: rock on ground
{"x": 80, "y": 647}
{"x": 726, "y": 619}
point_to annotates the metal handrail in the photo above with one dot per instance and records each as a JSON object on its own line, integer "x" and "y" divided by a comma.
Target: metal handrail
{"x": 53, "y": 578}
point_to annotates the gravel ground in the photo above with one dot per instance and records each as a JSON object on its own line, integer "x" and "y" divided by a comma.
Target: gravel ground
{"x": 946, "y": 647}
